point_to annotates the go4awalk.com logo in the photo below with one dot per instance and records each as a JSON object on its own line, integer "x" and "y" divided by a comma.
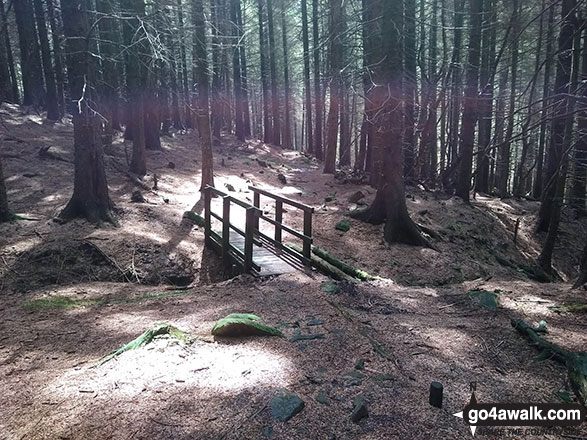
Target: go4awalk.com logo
{"x": 521, "y": 414}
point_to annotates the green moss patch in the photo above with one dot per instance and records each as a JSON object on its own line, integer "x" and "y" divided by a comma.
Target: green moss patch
{"x": 243, "y": 324}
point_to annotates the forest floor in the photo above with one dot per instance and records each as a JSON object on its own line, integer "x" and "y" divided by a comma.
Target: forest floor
{"x": 72, "y": 293}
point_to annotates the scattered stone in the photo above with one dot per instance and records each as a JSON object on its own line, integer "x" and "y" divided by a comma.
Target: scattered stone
{"x": 360, "y": 410}
{"x": 171, "y": 165}
{"x": 383, "y": 380}
{"x": 285, "y": 405}
{"x": 313, "y": 321}
{"x": 360, "y": 364}
{"x": 483, "y": 298}
{"x": 137, "y": 197}
{"x": 229, "y": 187}
{"x": 243, "y": 324}
{"x": 297, "y": 336}
{"x": 330, "y": 197}
{"x": 268, "y": 432}
{"x": 282, "y": 178}
{"x": 262, "y": 163}
{"x": 343, "y": 225}
{"x": 356, "y": 374}
{"x": 30, "y": 175}
{"x": 355, "y": 197}
{"x": 322, "y": 399}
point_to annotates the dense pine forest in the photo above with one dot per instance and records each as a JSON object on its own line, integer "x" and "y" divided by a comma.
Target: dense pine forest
{"x": 290, "y": 219}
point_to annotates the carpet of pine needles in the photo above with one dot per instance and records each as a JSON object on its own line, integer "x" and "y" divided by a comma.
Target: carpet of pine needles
{"x": 109, "y": 292}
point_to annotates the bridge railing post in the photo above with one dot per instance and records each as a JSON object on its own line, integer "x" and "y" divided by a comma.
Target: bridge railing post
{"x": 279, "y": 220}
{"x": 249, "y": 236}
{"x": 257, "y": 204}
{"x": 225, "y": 229}
{"x": 207, "y": 217}
{"x": 308, "y": 233}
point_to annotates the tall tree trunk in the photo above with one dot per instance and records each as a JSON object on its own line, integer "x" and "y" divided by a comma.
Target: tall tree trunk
{"x": 319, "y": 106}
{"x": 52, "y": 101}
{"x": 471, "y": 104}
{"x": 109, "y": 87}
{"x": 135, "y": 76}
{"x": 267, "y": 127}
{"x": 30, "y": 57}
{"x": 539, "y": 179}
{"x": 5, "y": 80}
{"x": 502, "y": 175}
{"x": 582, "y": 279}
{"x": 390, "y": 201}
{"x": 203, "y": 110}
{"x": 336, "y": 49}
{"x": 545, "y": 258}
{"x": 275, "y": 113}
{"x": 410, "y": 87}
{"x": 580, "y": 157}
{"x": 307, "y": 91}
{"x": 486, "y": 104}
{"x": 455, "y": 76}
{"x": 90, "y": 197}
{"x": 287, "y": 111}
{"x": 56, "y": 34}
{"x": 236, "y": 69}
{"x": 4, "y": 34}
{"x": 244, "y": 73}
{"x": 561, "y": 86}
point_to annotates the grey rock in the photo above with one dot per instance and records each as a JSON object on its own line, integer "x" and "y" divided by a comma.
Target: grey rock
{"x": 285, "y": 405}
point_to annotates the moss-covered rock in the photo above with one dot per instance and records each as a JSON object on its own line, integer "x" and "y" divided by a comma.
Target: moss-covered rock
{"x": 243, "y": 324}
{"x": 343, "y": 225}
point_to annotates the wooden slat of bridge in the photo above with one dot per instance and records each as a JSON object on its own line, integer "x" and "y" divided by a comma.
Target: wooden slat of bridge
{"x": 271, "y": 260}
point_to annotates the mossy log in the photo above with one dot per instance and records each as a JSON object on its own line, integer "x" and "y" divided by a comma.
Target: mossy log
{"x": 576, "y": 361}
{"x": 157, "y": 330}
{"x": 346, "y": 268}
{"x": 195, "y": 217}
{"x": 576, "y": 308}
{"x": 243, "y": 324}
{"x": 325, "y": 267}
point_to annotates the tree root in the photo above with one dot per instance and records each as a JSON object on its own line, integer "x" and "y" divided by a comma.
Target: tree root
{"x": 147, "y": 337}
{"x": 346, "y": 268}
{"x": 576, "y": 361}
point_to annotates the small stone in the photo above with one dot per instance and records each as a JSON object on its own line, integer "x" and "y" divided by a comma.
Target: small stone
{"x": 360, "y": 410}
{"x": 281, "y": 178}
{"x": 322, "y": 399}
{"x": 229, "y": 187}
{"x": 343, "y": 225}
{"x": 268, "y": 432}
{"x": 137, "y": 197}
{"x": 285, "y": 405}
{"x": 355, "y": 197}
{"x": 360, "y": 364}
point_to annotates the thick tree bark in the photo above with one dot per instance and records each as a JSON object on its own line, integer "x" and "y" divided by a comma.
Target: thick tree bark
{"x": 275, "y": 105}
{"x": 336, "y": 51}
{"x": 539, "y": 179}
{"x": 471, "y": 103}
{"x": 56, "y": 37}
{"x": 582, "y": 279}
{"x": 5, "y": 80}
{"x": 410, "y": 87}
{"x": 135, "y": 83}
{"x": 4, "y": 35}
{"x": 307, "y": 86}
{"x": 52, "y": 101}
{"x": 267, "y": 127}
{"x": 319, "y": 106}
{"x": 244, "y": 73}
{"x": 203, "y": 107}
{"x": 90, "y": 197}
{"x": 30, "y": 57}
{"x": 579, "y": 182}
{"x": 236, "y": 69}
{"x": 390, "y": 201}
{"x": 555, "y": 161}
{"x": 486, "y": 101}
{"x": 287, "y": 110}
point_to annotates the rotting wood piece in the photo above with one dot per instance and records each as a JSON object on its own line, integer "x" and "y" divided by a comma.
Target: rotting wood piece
{"x": 576, "y": 361}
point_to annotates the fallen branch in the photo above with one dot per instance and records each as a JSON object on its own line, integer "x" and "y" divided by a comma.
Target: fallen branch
{"x": 575, "y": 361}
{"x": 576, "y": 308}
{"x": 346, "y": 268}
{"x": 325, "y": 267}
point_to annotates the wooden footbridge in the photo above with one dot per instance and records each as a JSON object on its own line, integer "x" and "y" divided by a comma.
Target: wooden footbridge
{"x": 245, "y": 245}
